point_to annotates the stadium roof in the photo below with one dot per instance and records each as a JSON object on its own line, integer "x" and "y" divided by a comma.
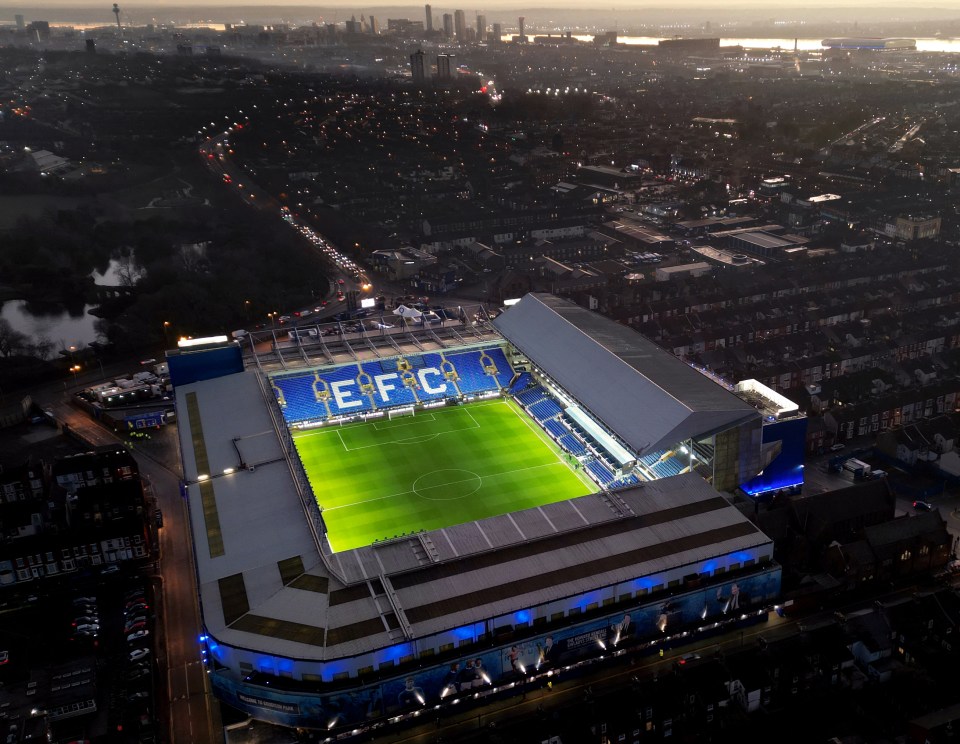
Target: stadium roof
{"x": 644, "y": 394}
{"x": 265, "y": 585}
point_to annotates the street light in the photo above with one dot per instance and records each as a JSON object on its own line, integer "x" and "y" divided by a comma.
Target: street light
{"x": 75, "y": 368}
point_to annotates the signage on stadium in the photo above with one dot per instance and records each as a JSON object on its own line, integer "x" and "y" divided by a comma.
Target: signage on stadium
{"x": 347, "y": 394}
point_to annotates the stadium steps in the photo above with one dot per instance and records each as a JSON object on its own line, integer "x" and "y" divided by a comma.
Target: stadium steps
{"x": 504, "y": 371}
{"x": 528, "y": 397}
{"x": 573, "y": 445}
{"x": 449, "y": 370}
{"x": 704, "y": 451}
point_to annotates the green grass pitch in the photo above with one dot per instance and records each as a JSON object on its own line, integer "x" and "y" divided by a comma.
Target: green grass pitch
{"x": 444, "y": 466}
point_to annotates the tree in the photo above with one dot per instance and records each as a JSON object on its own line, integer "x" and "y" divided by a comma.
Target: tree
{"x": 11, "y": 341}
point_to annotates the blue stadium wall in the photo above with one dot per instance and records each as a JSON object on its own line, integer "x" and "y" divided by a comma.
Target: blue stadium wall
{"x": 194, "y": 366}
{"x": 785, "y": 471}
{"x": 495, "y": 671}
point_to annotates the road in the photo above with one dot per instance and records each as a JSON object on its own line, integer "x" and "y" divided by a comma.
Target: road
{"x": 186, "y": 703}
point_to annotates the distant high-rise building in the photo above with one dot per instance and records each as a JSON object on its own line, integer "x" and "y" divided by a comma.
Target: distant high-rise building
{"x": 20, "y": 24}
{"x": 448, "y": 25}
{"x": 522, "y": 37}
{"x": 497, "y": 34}
{"x": 91, "y": 46}
{"x": 39, "y": 29}
{"x": 460, "y": 25}
{"x": 374, "y": 26}
{"x": 417, "y": 67}
{"x": 429, "y": 16}
{"x": 443, "y": 67}
{"x": 354, "y": 26}
{"x": 481, "y": 28}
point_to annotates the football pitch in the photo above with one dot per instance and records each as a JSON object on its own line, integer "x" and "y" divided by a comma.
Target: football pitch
{"x": 383, "y": 478}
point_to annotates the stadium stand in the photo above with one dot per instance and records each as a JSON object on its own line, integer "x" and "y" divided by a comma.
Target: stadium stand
{"x": 554, "y": 428}
{"x": 600, "y": 473}
{"x": 573, "y": 445}
{"x": 504, "y": 372}
{"x": 523, "y": 381}
{"x": 545, "y": 409}
{"x": 472, "y": 377}
{"x": 310, "y": 395}
{"x": 528, "y": 397}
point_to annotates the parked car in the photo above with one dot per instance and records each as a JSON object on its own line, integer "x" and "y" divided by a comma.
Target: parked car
{"x": 137, "y": 634}
{"x": 138, "y": 673}
{"x": 134, "y": 627}
{"x": 84, "y": 600}
{"x": 86, "y": 620}
{"x": 88, "y": 628}
{"x": 136, "y": 608}
{"x": 923, "y": 506}
{"x": 138, "y": 653}
{"x": 112, "y": 569}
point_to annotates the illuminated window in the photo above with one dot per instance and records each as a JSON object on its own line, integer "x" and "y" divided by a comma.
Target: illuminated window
{"x": 360, "y": 672}
{"x": 446, "y": 647}
{"x": 906, "y": 555}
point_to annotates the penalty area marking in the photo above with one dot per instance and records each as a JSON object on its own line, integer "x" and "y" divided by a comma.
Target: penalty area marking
{"x": 391, "y": 425}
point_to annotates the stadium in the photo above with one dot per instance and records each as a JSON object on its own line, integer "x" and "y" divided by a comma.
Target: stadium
{"x": 439, "y": 513}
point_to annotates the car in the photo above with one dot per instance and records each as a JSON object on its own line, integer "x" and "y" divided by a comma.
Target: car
{"x": 138, "y": 674}
{"x": 88, "y": 628}
{"x": 922, "y": 505}
{"x": 138, "y": 695}
{"x": 138, "y": 653}
{"x": 112, "y": 569}
{"x": 382, "y": 326}
{"x": 837, "y": 447}
{"x": 4, "y": 657}
{"x": 85, "y": 600}
{"x": 134, "y": 594}
{"x": 137, "y": 635}
{"x": 87, "y": 610}
{"x": 86, "y": 620}
{"x": 136, "y": 609}
{"x": 283, "y": 318}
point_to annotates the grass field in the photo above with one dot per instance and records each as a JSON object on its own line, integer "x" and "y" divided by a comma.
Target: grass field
{"x": 378, "y": 479}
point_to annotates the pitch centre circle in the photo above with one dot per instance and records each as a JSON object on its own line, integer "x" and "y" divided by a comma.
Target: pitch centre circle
{"x": 447, "y": 484}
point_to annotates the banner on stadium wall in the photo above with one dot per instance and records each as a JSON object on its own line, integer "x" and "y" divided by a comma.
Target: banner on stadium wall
{"x": 493, "y": 667}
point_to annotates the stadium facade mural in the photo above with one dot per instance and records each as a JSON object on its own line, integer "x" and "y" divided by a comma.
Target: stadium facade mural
{"x": 514, "y": 662}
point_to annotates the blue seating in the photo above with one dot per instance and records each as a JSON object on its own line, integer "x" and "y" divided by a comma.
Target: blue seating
{"x": 529, "y": 397}
{"x": 300, "y": 403}
{"x": 629, "y": 480}
{"x": 554, "y": 428}
{"x": 472, "y": 377}
{"x": 545, "y": 409}
{"x": 298, "y": 393}
{"x": 504, "y": 370}
{"x": 400, "y": 395}
{"x": 573, "y": 445}
{"x": 524, "y": 381}
{"x": 600, "y": 473}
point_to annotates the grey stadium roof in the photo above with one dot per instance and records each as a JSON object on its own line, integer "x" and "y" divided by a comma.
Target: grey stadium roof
{"x": 644, "y": 394}
{"x": 264, "y": 583}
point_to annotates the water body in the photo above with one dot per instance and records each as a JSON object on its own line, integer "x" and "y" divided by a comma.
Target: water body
{"x": 804, "y": 45}
{"x": 56, "y": 323}
{"x": 50, "y": 322}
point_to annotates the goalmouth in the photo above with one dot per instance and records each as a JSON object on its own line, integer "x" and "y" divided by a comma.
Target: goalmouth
{"x": 393, "y": 413}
